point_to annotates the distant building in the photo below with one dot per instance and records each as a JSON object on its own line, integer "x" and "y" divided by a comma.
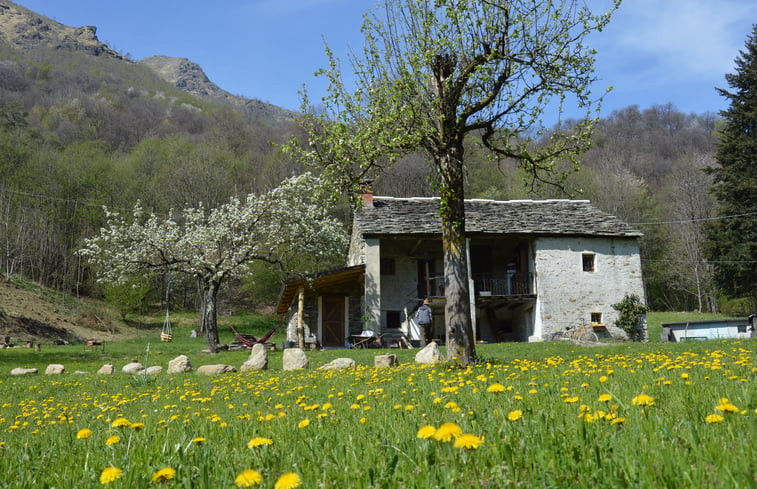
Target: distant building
{"x": 710, "y": 329}
{"x": 535, "y": 267}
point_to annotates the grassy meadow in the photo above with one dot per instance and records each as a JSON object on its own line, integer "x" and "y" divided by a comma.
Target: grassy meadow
{"x": 530, "y": 415}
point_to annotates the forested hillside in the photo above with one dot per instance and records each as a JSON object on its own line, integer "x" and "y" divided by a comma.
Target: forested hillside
{"x": 79, "y": 131}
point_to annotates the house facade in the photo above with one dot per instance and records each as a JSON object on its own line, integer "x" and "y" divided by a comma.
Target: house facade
{"x": 535, "y": 267}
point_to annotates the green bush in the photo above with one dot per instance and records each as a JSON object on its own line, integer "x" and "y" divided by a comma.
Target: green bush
{"x": 631, "y": 315}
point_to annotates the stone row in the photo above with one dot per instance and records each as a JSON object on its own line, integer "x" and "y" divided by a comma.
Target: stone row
{"x": 293, "y": 359}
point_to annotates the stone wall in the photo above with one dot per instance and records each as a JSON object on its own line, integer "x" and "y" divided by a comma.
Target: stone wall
{"x": 567, "y": 293}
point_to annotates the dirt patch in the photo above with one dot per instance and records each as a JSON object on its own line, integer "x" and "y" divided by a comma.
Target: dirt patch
{"x": 28, "y": 316}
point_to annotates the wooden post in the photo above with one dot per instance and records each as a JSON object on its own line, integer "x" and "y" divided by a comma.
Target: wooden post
{"x": 300, "y": 314}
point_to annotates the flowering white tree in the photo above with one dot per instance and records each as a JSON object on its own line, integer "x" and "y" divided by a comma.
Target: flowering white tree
{"x": 213, "y": 245}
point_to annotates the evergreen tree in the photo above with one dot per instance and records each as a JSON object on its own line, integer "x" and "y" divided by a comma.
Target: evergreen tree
{"x": 733, "y": 241}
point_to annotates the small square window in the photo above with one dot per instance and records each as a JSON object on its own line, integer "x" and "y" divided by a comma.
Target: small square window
{"x": 741, "y": 328}
{"x": 387, "y": 266}
{"x": 588, "y": 261}
{"x": 596, "y": 318}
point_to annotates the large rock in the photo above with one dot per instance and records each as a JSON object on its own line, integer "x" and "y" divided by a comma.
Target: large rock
{"x": 429, "y": 354}
{"x": 258, "y": 359}
{"x": 154, "y": 370}
{"x": 132, "y": 368}
{"x": 107, "y": 369}
{"x": 294, "y": 359}
{"x": 23, "y": 371}
{"x": 338, "y": 364}
{"x": 55, "y": 369}
{"x": 215, "y": 369}
{"x": 179, "y": 365}
{"x": 388, "y": 360}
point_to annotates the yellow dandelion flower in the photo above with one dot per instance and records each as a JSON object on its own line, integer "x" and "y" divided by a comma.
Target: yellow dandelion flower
{"x": 727, "y": 407}
{"x": 426, "y": 432}
{"x": 248, "y": 478}
{"x": 605, "y": 398}
{"x": 120, "y": 423}
{"x": 259, "y": 442}
{"x": 515, "y": 415}
{"x": 289, "y": 480}
{"x": 304, "y": 423}
{"x": 469, "y": 441}
{"x": 618, "y": 421}
{"x": 83, "y": 433}
{"x": 363, "y": 420}
{"x": 198, "y": 440}
{"x": 2, "y": 444}
{"x": 164, "y": 474}
{"x": 112, "y": 440}
{"x": 684, "y": 376}
{"x": 110, "y": 474}
{"x": 603, "y": 378}
{"x": 450, "y": 405}
{"x": 714, "y": 418}
{"x": 447, "y": 431}
{"x": 137, "y": 426}
{"x": 571, "y": 400}
{"x": 495, "y": 388}
{"x": 643, "y": 400}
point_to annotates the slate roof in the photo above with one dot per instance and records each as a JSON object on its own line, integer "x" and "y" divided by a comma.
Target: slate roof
{"x": 420, "y": 216}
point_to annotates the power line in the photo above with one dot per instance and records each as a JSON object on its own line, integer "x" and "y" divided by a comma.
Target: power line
{"x": 684, "y": 221}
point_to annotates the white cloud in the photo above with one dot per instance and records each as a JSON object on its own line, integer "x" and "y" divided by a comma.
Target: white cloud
{"x": 679, "y": 39}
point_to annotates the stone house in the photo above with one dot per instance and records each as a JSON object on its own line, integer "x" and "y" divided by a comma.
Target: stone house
{"x": 535, "y": 267}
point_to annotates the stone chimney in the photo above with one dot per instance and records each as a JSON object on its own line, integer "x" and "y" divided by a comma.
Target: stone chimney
{"x": 367, "y": 197}
{"x": 367, "y": 194}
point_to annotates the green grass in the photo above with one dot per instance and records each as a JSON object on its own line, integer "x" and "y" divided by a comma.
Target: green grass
{"x": 358, "y": 428}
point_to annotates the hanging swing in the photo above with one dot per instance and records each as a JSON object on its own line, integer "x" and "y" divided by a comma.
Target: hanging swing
{"x": 166, "y": 335}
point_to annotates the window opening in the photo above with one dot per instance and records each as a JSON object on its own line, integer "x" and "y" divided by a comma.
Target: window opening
{"x": 588, "y": 262}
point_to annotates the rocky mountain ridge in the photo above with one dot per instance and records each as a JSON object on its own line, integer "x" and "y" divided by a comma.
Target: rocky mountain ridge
{"x": 22, "y": 28}
{"x": 27, "y": 30}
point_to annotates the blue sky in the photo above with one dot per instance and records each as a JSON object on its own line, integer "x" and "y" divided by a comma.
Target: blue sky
{"x": 653, "y": 52}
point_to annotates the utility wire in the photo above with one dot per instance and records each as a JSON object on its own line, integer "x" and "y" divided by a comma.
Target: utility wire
{"x": 683, "y": 221}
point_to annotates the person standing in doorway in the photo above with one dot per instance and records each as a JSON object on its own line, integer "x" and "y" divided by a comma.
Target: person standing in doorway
{"x": 425, "y": 319}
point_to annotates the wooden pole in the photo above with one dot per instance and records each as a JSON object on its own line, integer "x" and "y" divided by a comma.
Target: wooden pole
{"x": 300, "y": 314}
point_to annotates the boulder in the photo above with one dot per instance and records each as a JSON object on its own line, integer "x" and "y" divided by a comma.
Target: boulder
{"x": 23, "y": 371}
{"x": 179, "y": 365}
{"x": 154, "y": 370}
{"x": 429, "y": 354}
{"x": 388, "y": 360}
{"x": 106, "y": 369}
{"x": 132, "y": 368}
{"x": 258, "y": 359}
{"x": 81, "y": 372}
{"x": 338, "y": 364}
{"x": 294, "y": 359}
{"x": 55, "y": 369}
{"x": 215, "y": 369}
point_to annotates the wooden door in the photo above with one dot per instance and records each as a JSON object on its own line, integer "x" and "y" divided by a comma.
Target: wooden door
{"x": 332, "y": 321}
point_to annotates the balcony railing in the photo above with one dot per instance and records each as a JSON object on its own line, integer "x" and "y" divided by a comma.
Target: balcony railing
{"x": 491, "y": 284}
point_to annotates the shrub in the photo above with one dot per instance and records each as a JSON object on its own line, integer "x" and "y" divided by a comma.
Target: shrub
{"x": 631, "y": 314}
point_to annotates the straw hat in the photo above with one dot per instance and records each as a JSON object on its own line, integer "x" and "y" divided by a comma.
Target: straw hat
{"x": 426, "y": 302}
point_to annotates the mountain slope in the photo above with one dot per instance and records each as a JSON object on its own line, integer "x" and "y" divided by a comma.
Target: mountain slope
{"x": 25, "y": 29}
{"x": 188, "y": 76}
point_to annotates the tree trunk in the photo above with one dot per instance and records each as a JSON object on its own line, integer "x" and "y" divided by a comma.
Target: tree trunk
{"x": 460, "y": 347}
{"x": 209, "y": 316}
